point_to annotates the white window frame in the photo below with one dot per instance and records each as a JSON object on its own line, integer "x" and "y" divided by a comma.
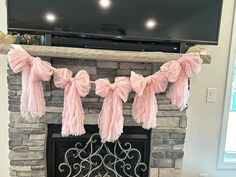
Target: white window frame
{"x": 228, "y": 90}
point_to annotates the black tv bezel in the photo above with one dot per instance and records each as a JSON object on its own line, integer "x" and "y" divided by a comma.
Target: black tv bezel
{"x": 113, "y": 37}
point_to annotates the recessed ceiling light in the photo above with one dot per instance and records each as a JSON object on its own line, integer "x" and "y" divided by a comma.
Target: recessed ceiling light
{"x": 105, "y": 3}
{"x": 50, "y": 17}
{"x": 150, "y": 24}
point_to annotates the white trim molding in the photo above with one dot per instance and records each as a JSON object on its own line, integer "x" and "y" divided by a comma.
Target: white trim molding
{"x": 228, "y": 90}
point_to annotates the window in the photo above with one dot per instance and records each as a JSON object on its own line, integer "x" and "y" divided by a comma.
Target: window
{"x": 230, "y": 143}
{"x": 227, "y": 149}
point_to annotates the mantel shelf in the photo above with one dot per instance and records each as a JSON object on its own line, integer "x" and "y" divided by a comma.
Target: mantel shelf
{"x": 99, "y": 54}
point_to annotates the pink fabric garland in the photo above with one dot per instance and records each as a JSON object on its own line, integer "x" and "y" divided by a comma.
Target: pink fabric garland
{"x": 73, "y": 114}
{"x": 178, "y": 72}
{"x": 34, "y": 71}
{"x": 111, "y": 119}
{"x": 144, "y": 107}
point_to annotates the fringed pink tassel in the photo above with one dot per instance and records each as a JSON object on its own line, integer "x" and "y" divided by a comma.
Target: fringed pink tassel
{"x": 34, "y": 71}
{"x": 111, "y": 119}
{"x": 144, "y": 107}
{"x": 73, "y": 114}
{"x": 178, "y": 72}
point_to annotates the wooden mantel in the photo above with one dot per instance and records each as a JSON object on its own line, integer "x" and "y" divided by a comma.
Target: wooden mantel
{"x": 99, "y": 54}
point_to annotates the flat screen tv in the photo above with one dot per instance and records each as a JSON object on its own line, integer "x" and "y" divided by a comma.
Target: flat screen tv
{"x": 189, "y": 21}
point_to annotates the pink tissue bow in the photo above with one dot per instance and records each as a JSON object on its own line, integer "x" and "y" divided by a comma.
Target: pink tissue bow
{"x": 178, "y": 72}
{"x": 111, "y": 119}
{"x": 73, "y": 114}
{"x": 144, "y": 107}
{"x": 34, "y": 71}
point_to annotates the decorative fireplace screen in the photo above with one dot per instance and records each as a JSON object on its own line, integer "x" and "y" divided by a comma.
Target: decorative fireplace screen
{"x": 86, "y": 156}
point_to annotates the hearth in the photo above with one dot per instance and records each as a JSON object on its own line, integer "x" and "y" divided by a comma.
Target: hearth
{"x": 86, "y": 156}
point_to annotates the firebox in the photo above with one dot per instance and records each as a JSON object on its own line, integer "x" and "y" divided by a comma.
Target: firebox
{"x": 86, "y": 155}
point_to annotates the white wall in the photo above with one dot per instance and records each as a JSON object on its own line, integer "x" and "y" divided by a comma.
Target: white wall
{"x": 4, "y": 163}
{"x": 204, "y": 123}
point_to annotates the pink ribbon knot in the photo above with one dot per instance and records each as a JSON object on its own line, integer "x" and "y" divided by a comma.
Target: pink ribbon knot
{"x": 144, "y": 107}
{"x": 34, "y": 71}
{"x": 177, "y": 72}
{"x": 111, "y": 119}
{"x": 73, "y": 114}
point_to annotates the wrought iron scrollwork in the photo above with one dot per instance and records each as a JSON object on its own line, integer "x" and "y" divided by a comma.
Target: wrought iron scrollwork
{"x": 96, "y": 159}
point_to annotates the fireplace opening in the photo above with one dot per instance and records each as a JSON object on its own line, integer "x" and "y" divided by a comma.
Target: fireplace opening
{"x": 86, "y": 156}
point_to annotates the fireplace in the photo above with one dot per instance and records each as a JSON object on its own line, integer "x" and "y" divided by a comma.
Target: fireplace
{"x": 28, "y": 140}
{"x": 86, "y": 156}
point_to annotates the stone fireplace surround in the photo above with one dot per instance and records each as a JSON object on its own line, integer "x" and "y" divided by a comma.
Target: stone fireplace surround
{"x": 27, "y": 140}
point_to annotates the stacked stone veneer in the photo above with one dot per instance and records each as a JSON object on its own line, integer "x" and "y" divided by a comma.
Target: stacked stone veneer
{"x": 27, "y": 140}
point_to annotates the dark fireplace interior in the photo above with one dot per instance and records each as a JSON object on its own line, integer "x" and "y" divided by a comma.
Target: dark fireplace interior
{"x": 86, "y": 156}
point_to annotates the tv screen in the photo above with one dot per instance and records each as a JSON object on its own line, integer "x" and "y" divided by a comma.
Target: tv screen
{"x": 191, "y": 21}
